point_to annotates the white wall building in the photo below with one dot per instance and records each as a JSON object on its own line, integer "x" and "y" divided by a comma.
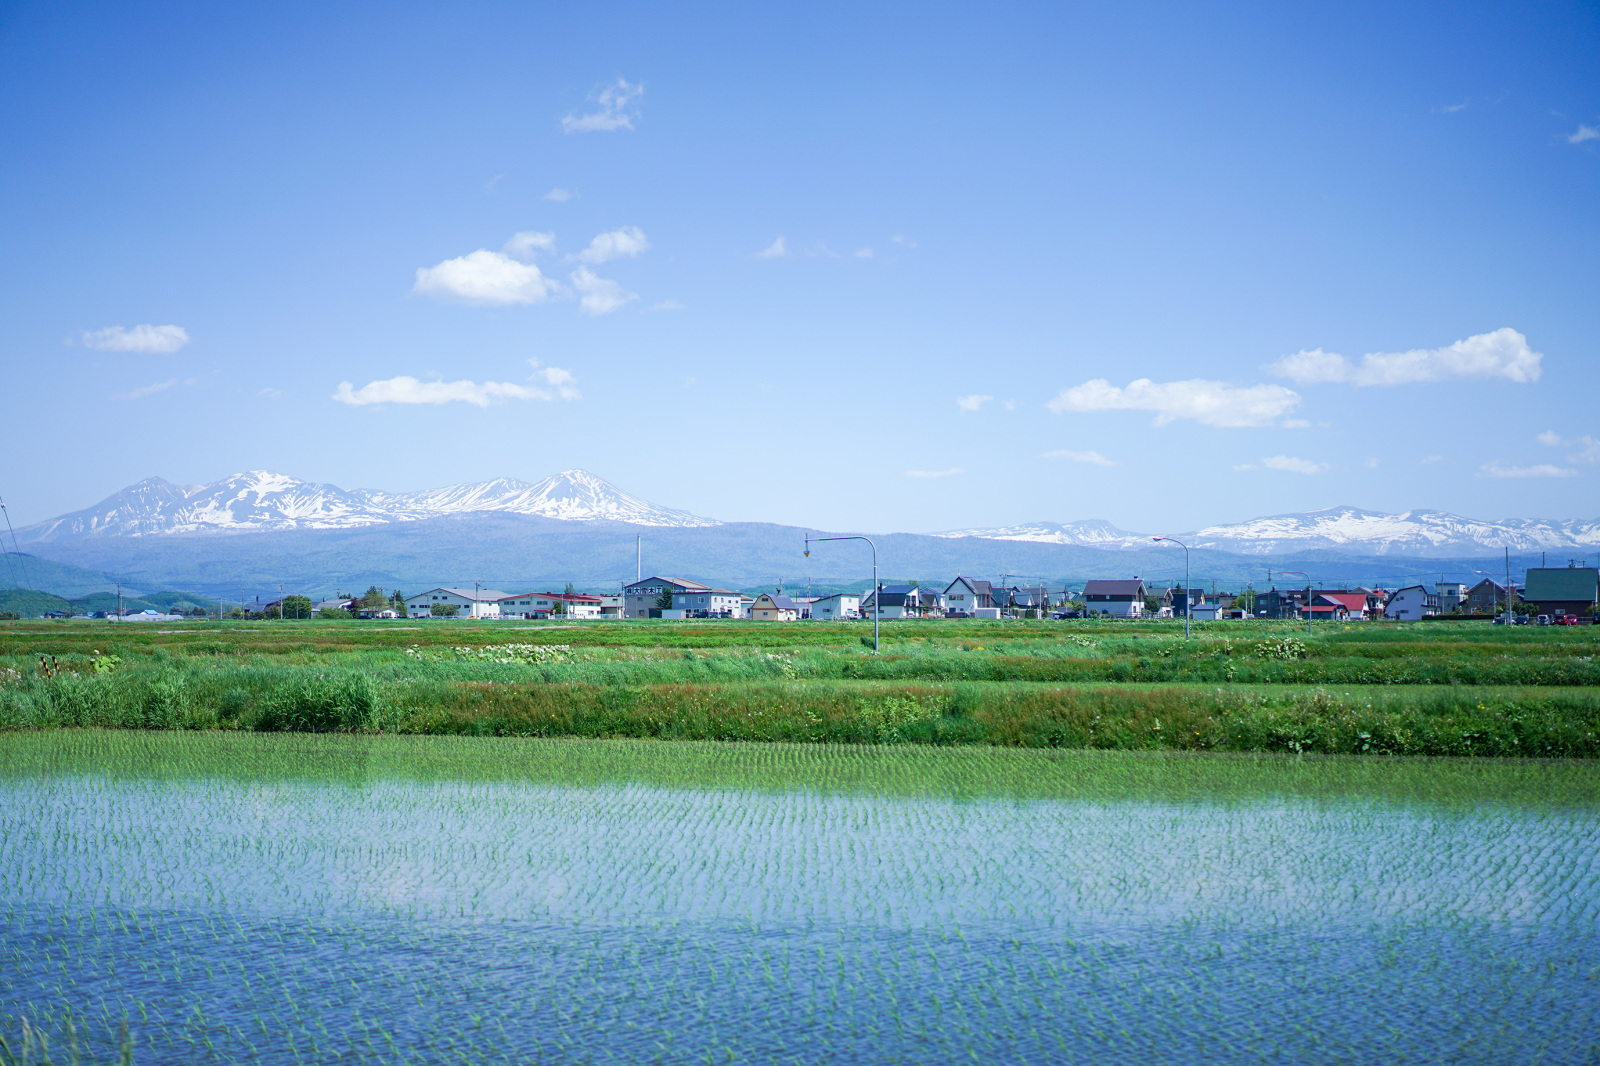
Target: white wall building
{"x": 1411, "y": 604}
{"x": 641, "y": 597}
{"x": 708, "y": 603}
{"x": 833, "y": 608}
{"x": 469, "y": 603}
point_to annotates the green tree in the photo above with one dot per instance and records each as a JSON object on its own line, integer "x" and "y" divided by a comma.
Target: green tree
{"x": 664, "y": 601}
{"x": 445, "y": 610}
{"x": 372, "y": 598}
{"x": 333, "y": 614}
{"x": 295, "y": 607}
{"x": 398, "y": 602}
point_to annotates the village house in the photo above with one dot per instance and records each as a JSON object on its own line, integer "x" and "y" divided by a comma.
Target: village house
{"x": 1411, "y": 604}
{"x": 1489, "y": 597}
{"x": 1114, "y": 598}
{"x": 469, "y": 603}
{"x": 774, "y": 607}
{"x": 892, "y": 601}
{"x": 838, "y": 606}
{"x": 964, "y": 595}
{"x": 709, "y": 603}
{"x": 1573, "y": 590}
{"x": 642, "y": 597}
{"x": 542, "y": 605}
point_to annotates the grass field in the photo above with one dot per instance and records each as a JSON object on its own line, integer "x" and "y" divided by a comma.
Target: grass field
{"x": 1428, "y": 689}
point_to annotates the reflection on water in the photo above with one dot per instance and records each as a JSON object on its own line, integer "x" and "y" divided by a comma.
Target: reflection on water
{"x": 241, "y": 919}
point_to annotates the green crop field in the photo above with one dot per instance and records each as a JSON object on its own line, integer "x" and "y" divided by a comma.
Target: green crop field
{"x": 1426, "y": 689}
{"x": 332, "y": 842}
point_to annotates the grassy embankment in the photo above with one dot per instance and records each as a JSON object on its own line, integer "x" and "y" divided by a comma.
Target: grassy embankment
{"x": 1423, "y": 690}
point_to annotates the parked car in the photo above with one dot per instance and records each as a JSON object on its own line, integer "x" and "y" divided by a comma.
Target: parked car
{"x": 1543, "y": 620}
{"x": 1567, "y": 620}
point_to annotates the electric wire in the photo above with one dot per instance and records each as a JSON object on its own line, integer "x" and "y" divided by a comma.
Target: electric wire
{"x": 15, "y": 545}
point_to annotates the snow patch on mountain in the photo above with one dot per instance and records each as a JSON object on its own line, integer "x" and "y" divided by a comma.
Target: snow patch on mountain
{"x": 1418, "y": 533}
{"x": 258, "y": 500}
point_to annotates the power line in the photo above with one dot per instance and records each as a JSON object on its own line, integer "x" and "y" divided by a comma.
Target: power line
{"x": 14, "y": 543}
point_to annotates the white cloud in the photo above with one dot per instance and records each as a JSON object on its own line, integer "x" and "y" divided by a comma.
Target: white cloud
{"x": 952, "y": 472}
{"x": 1429, "y": 460}
{"x": 1584, "y": 133}
{"x": 560, "y": 380}
{"x": 529, "y": 243}
{"x": 863, "y": 253}
{"x": 409, "y": 390}
{"x": 1092, "y": 458}
{"x": 668, "y": 305}
{"x": 1453, "y": 108}
{"x": 973, "y": 402}
{"x": 1213, "y": 403}
{"x": 559, "y": 196}
{"x": 270, "y": 393}
{"x": 1503, "y": 353}
{"x": 1290, "y": 465}
{"x": 145, "y": 339}
{"x": 617, "y": 109}
{"x": 1587, "y": 448}
{"x": 1541, "y": 470}
{"x": 597, "y": 295}
{"x": 485, "y": 277}
{"x": 624, "y": 243}
{"x": 903, "y": 241}
{"x": 776, "y": 250}
{"x": 1295, "y": 423}
{"x": 147, "y": 390}
{"x": 1371, "y": 464}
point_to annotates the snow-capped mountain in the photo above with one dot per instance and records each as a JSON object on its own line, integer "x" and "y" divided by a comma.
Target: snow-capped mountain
{"x": 1089, "y": 533}
{"x": 262, "y": 500}
{"x": 1351, "y": 529}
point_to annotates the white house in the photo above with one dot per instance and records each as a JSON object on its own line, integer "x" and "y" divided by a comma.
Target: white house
{"x": 965, "y": 595}
{"x": 897, "y": 601}
{"x": 1119, "y": 599}
{"x": 469, "y": 603}
{"x": 532, "y": 605}
{"x": 1452, "y": 596}
{"x": 612, "y": 605}
{"x": 708, "y": 603}
{"x": 833, "y": 608}
{"x": 1411, "y": 604}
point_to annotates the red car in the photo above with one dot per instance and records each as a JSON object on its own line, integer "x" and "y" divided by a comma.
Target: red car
{"x": 1567, "y": 620}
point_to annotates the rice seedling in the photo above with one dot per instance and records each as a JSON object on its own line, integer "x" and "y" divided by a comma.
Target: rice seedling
{"x": 335, "y": 897}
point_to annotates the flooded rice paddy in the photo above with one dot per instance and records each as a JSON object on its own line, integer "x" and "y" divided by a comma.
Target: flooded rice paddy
{"x": 305, "y": 899}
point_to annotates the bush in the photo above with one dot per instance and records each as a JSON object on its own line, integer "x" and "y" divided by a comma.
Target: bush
{"x": 334, "y": 613}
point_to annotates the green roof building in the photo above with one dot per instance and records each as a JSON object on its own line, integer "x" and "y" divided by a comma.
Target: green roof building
{"x": 1563, "y": 590}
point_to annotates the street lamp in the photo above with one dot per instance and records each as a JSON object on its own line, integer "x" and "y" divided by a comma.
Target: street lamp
{"x": 1300, "y": 573}
{"x": 877, "y": 600}
{"x": 1188, "y": 598}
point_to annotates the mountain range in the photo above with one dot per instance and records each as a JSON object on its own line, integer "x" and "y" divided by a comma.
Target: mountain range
{"x": 251, "y": 534}
{"x": 262, "y": 501}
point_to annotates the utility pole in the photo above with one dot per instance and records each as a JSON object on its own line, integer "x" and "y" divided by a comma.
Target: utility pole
{"x": 638, "y": 557}
{"x": 119, "y": 599}
{"x": 280, "y": 601}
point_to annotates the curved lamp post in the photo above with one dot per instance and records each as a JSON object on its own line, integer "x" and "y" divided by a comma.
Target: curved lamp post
{"x": 877, "y": 600}
{"x": 1188, "y": 600}
{"x": 1300, "y": 573}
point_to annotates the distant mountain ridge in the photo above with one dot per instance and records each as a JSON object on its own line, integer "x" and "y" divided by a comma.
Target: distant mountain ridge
{"x": 1422, "y": 533}
{"x": 261, "y": 500}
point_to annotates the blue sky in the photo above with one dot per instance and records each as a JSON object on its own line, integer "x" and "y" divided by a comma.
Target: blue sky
{"x": 905, "y": 268}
